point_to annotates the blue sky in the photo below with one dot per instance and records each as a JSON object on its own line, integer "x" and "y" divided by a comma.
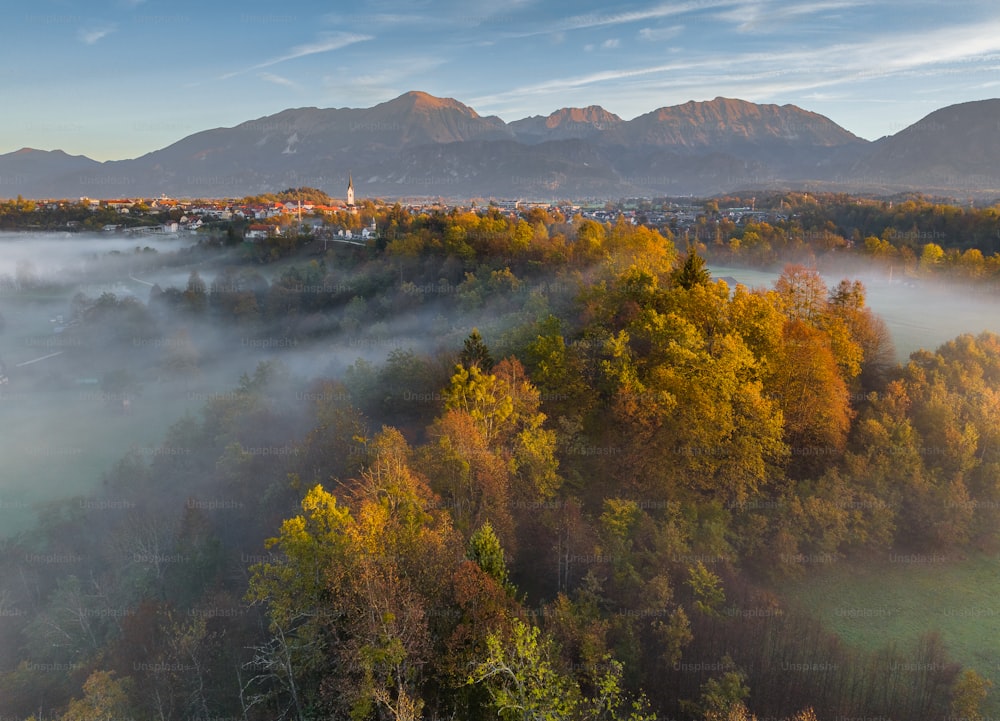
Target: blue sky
{"x": 118, "y": 78}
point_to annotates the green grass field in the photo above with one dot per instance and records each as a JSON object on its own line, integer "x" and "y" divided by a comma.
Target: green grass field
{"x": 902, "y": 597}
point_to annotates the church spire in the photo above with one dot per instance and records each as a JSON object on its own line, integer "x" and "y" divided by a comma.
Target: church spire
{"x": 350, "y": 189}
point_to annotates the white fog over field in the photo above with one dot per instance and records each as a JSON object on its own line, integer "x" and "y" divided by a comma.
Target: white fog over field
{"x": 919, "y": 314}
{"x": 59, "y": 433}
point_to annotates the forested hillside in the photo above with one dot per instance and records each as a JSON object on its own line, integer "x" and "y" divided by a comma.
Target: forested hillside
{"x": 572, "y": 500}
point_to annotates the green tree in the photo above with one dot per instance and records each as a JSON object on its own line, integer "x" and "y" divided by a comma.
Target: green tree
{"x": 294, "y": 591}
{"x": 522, "y": 679}
{"x": 557, "y": 370}
{"x": 525, "y": 683}
{"x": 475, "y": 353}
{"x": 482, "y": 396}
{"x": 721, "y": 697}
{"x": 485, "y": 550}
{"x": 505, "y": 407}
{"x": 349, "y": 606}
{"x": 707, "y": 588}
{"x": 693, "y": 272}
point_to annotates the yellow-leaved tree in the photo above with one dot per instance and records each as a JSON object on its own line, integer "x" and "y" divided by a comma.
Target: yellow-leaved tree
{"x": 490, "y": 449}
{"x": 350, "y": 591}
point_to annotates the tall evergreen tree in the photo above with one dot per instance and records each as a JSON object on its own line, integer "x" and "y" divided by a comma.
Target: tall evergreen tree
{"x": 693, "y": 272}
{"x": 484, "y": 548}
{"x": 475, "y": 353}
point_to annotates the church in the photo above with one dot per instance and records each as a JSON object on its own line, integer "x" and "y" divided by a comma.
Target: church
{"x": 350, "y": 194}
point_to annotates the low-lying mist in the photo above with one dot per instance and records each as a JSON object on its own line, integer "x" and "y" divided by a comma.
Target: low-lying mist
{"x": 101, "y": 353}
{"x": 79, "y": 395}
{"x": 920, "y": 313}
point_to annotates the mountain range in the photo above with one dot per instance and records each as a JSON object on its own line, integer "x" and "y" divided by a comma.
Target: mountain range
{"x": 418, "y": 145}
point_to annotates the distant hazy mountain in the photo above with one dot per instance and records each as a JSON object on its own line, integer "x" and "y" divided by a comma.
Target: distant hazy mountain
{"x": 725, "y": 123}
{"x": 772, "y": 142}
{"x": 565, "y": 124}
{"x": 32, "y": 173}
{"x": 956, "y": 148}
{"x": 420, "y": 145}
{"x": 305, "y": 146}
{"x": 417, "y": 118}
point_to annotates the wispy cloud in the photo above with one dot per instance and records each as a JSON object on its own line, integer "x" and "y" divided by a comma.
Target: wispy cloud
{"x": 610, "y": 19}
{"x": 381, "y": 19}
{"x": 279, "y": 80}
{"x": 652, "y": 35}
{"x": 465, "y": 14}
{"x": 947, "y": 45}
{"x": 609, "y": 44}
{"x": 774, "y": 75}
{"x": 327, "y": 42}
{"x": 762, "y": 16}
{"x": 92, "y": 35}
{"x": 595, "y": 20}
{"x": 811, "y": 8}
{"x": 482, "y": 13}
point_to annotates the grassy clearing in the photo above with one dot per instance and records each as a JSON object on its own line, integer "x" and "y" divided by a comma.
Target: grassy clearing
{"x": 903, "y": 596}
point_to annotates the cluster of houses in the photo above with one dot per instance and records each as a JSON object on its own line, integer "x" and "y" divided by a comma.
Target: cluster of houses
{"x": 260, "y": 217}
{"x": 196, "y": 213}
{"x": 217, "y": 209}
{"x": 317, "y": 226}
{"x": 750, "y": 215}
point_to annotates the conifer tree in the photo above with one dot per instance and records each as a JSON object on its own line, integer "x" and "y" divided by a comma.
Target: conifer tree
{"x": 475, "y": 353}
{"x": 693, "y": 272}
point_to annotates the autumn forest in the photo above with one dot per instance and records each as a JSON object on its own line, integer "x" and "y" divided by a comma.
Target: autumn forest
{"x": 576, "y": 490}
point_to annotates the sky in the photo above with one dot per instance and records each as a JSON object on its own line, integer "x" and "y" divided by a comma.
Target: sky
{"x": 114, "y": 79}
